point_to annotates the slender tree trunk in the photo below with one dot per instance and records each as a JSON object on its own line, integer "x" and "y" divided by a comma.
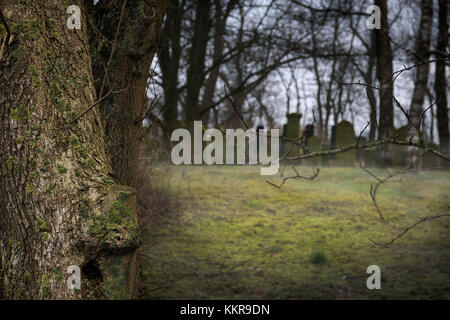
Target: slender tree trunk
{"x": 320, "y": 124}
{"x": 221, "y": 17}
{"x": 370, "y": 91}
{"x": 422, "y": 53}
{"x": 169, "y": 63}
{"x": 59, "y": 205}
{"x": 329, "y": 104}
{"x": 197, "y": 53}
{"x": 137, "y": 25}
{"x": 384, "y": 75}
{"x": 440, "y": 81}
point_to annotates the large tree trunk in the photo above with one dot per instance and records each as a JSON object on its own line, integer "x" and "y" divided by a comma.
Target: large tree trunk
{"x": 422, "y": 54}
{"x": 440, "y": 82}
{"x": 384, "y": 75}
{"x": 127, "y": 68}
{"x": 59, "y": 205}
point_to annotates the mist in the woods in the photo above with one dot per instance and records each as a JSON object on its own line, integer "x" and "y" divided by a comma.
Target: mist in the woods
{"x": 135, "y": 136}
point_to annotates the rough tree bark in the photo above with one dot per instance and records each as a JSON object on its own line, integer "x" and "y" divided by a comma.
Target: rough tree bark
{"x": 422, "y": 54}
{"x": 384, "y": 72}
{"x": 440, "y": 82}
{"x": 127, "y": 68}
{"x": 59, "y": 204}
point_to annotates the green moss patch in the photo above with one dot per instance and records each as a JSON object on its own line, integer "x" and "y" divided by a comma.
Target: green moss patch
{"x": 115, "y": 280}
{"x": 117, "y": 226}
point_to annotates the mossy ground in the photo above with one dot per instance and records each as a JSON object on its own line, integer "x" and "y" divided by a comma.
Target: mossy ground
{"x": 240, "y": 238}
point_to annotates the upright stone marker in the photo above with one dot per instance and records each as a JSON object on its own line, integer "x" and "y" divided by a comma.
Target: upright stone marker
{"x": 345, "y": 135}
{"x": 314, "y": 144}
{"x": 325, "y": 160}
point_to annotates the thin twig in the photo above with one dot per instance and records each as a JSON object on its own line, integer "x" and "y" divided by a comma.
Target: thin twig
{"x": 387, "y": 244}
{"x": 235, "y": 108}
{"x": 97, "y": 102}
{"x": 316, "y": 171}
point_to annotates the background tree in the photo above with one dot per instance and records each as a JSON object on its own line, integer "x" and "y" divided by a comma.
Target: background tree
{"x": 124, "y": 37}
{"x": 169, "y": 63}
{"x": 422, "y": 55}
{"x": 440, "y": 81}
{"x": 384, "y": 73}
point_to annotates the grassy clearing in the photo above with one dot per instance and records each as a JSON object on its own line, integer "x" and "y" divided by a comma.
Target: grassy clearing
{"x": 240, "y": 238}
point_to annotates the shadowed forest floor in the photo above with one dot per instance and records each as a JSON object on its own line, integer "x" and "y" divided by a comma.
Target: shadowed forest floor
{"x": 237, "y": 237}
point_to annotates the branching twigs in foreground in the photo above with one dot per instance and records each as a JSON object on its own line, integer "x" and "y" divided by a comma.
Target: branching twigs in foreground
{"x": 428, "y": 218}
{"x": 297, "y": 175}
{"x": 380, "y": 181}
{"x": 374, "y": 187}
{"x": 235, "y": 108}
{"x": 368, "y": 146}
{"x": 396, "y": 102}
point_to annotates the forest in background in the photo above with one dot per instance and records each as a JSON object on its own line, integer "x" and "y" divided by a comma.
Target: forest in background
{"x": 81, "y": 108}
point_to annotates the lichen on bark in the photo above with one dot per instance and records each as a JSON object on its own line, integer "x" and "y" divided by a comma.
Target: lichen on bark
{"x": 52, "y": 169}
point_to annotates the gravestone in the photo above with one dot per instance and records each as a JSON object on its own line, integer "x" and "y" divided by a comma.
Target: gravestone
{"x": 292, "y": 132}
{"x": 259, "y": 129}
{"x": 366, "y": 157}
{"x": 325, "y": 160}
{"x": 333, "y": 138}
{"x": 314, "y": 144}
{"x": 370, "y": 157}
{"x": 283, "y": 143}
{"x": 293, "y": 125}
{"x": 308, "y": 132}
{"x": 345, "y": 135}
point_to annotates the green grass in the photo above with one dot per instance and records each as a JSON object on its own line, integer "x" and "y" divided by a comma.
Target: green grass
{"x": 240, "y": 238}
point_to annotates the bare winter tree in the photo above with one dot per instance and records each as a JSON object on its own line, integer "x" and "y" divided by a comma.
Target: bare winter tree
{"x": 422, "y": 55}
{"x": 440, "y": 81}
{"x": 121, "y": 59}
{"x": 384, "y": 73}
